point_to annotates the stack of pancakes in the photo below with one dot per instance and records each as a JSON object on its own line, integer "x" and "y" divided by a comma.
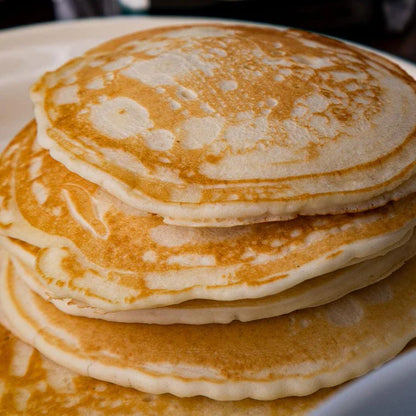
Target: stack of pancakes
{"x": 218, "y": 211}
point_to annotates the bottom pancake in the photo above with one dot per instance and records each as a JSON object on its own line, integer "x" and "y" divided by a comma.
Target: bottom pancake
{"x": 295, "y": 354}
{"x": 32, "y": 385}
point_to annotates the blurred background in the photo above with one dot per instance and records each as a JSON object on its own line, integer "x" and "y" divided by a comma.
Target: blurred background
{"x": 389, "y": 25}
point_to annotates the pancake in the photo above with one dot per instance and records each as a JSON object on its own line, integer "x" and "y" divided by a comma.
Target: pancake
{"x": 213, "y": 125}
{"x": 101, "y": 252}
{"x": 295, "y": 354}
{"x": 315, "y": 292}
{"x": 33, "y": 385}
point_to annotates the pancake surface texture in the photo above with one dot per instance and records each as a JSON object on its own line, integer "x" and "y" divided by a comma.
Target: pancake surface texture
{"x": 221, "y": 125}
{"x": 295, "y": 354}
{"x": 315, "y": 292}
{"x": 88, "y": 253}
{"x": 32, "y": 385}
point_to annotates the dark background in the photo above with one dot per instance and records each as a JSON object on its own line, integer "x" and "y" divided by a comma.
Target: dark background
{"x": 389, "y": 25}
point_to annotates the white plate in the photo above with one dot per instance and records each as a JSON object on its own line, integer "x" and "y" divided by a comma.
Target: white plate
{"x": 27, "y": 52}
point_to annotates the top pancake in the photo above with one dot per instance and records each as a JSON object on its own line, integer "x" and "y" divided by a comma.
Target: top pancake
{"x": 226, "y": 125}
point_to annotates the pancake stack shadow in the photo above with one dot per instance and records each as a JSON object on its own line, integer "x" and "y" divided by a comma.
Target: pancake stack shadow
{"x": 207, "y": 219}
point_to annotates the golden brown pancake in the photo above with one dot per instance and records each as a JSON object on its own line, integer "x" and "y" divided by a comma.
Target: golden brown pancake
{"x": 33, "y": 385}
{"x": 314, "y": 292}
{"x": 99, "y": 251}
{"x": 220, "y": 125}
{"x": 295, "y": 354}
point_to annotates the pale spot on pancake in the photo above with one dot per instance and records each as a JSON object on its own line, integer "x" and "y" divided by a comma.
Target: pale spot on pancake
{"x": 171, "y": 236}
{"x": 57, "y": 211}
{"x": 192, "y": 193}
{"x": 295, "y": 233}
{"x": 169, "y": 175}
{"x": 199, "y": 33}
{"x": 170, "y": 281}
{"x": 40, "y": 192}
{"x": 242, "y": 135}
{"x": 377, "y": 294}
{"x": 186, "y": 93}
{"x": 109, "y": 76}
{"x": 316, "y": 102}
{"x": 219, "y": 52}
{"x": 319, "y": 62}
{"x": 96, "y": 84}
{"x": 35, "y": 166}
{"x": 160, "y": 90}
{"x": 66, "y": 95}
{"x": 362, "y": 100}
{"x": 192, "y": 260}
{"x": 342, "y": 75}
{"x": 304, "y": 323}
{"x": 22, "y": 354}
{"x": 310, "y": 43}
{"x": 299, "y": 111}
{"x": 315, "y": 236}
{"x": 118, "y": 64}
{"x": 70, "y": 79}
{"x": 279, "y": 78}
{"x": 344, "y": 313}
{"x": 158, "y": 71}
{"x": 200, "y": 132}
{"x": 149, "y": 256}
{"x": 96, "y": 62}
{"x": 218, "y": 147}
{"x": 286, "y": 71}
{"x": 207, "y": 108}
{"x": 247, "y": 115}
{"x": 263, "y": 258}
{"x": 6, "y": 216}
{"x": 159, "y": 139}
{"x": 228, "y": 85}
{"x": 53, "y": 114}
{"x": 271, "y": 102}
{"x": 174, "y": 105}
{"x": 21, "y": 397}
{"x": 120, "y": 118}
{"x": 55, "y": 379}
{"x": 248, "y": 254}
{"x": 277, "y": 63}
{"x": 277, "y": 45}
{"x": 276, "y": 243}
{"x": 165, "y": 69}
{"x": 257, "y": 53}
{"x": 150, "y": 47}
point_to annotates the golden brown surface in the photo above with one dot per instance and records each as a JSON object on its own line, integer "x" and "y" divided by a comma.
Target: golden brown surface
{"x": 89, "y": 254}
{"x": 232, "y": 124}
{"x": 293, "y": 354}
{"x": 318, "y": 291}
{"x": 32, "y": 385}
